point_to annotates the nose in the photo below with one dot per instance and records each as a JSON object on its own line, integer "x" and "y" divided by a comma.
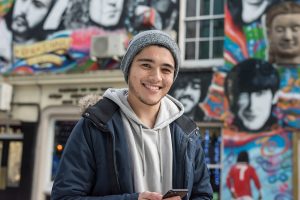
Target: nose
{"x": 156, "y": 75}
{"x": 249, "y": 104}
{"x": 288, "y": 34}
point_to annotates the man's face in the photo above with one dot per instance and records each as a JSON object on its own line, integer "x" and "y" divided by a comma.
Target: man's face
{"x": 188, "y": 93}
{"x": 106, "y": 12}
{"x": 27, "y": 14}
{"x": 254, "y": 109}
{"x": 285, "y": 35}
{"x": 151, "y": 76}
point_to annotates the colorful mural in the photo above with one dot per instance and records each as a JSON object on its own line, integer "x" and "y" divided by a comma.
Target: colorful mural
{"x": 256, "y": 94}
{"x": 55, "y": 36}
{"x": 268, "y": 162}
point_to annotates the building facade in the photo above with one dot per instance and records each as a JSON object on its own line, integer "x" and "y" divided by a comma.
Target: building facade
{"x": 235, "y": 82}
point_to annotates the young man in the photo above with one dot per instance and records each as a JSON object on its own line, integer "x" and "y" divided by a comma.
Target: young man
{"x": 135, "y": 143}
{"x": 250, "y": 88}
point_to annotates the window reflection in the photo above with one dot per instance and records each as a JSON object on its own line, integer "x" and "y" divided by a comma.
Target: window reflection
{"x": 14, "y": 164}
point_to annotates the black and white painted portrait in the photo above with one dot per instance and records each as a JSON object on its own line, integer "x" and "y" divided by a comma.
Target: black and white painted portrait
{"x": 251, "y": 88}
{"x": 190, "y": 88}
{"x": 26, "y": 20}
{"x": 248, "y": 11}
{"x": 106, "y": 12}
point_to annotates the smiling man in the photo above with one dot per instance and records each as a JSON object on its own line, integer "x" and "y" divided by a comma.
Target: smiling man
{"x": 133, "y": 143}
{"x": 251, "y": 88}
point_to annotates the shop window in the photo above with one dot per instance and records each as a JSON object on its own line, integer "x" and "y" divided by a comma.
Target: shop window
{"x": 11, "y": 150}
{"x": 212, "y": 144}
{"x": 62, "y": 131}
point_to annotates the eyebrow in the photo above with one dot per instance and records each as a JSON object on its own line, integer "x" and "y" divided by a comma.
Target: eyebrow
{"x": 151, "y": 61}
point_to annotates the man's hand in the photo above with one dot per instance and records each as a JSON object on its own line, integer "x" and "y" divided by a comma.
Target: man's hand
{"x": 155, "y": 196}
{"x": 233, "y": 194}
{"x": 150, "y": 196}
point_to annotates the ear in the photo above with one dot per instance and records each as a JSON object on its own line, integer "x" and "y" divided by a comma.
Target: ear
{"x": 275, "y": 98}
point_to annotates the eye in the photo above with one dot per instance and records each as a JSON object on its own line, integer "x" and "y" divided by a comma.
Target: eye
{"x": 166, "y": 71}
{"x": 196, "y": 86}
{"x": 146, "y": 65}
{"x": 243, "y": 98}
{"x": 38, "y": 4}
{"x": 279, "y": 29}
{"x": 296, "y": 28}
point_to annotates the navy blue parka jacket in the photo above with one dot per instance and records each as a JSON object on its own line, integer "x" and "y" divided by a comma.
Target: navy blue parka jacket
{"x": 95, "y": 164}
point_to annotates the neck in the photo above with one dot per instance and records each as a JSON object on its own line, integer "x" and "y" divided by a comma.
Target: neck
{"x": 146, "y": 113}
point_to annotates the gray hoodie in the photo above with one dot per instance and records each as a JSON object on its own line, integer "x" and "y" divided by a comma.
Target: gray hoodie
{"x": 150, "y": 148}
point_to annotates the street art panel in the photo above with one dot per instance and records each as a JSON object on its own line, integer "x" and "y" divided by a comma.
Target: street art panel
{"x": 272, "y": 36}
{"x": 257, "y": 165}
{"x": 256, "y": 94}
{"x": 250, "y": 88}
{"x": 55, "y": 36}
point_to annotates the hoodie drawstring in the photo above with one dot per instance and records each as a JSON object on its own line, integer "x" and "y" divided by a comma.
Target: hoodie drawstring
{"x": 160, "y": 156}
{"x": 143, "y": 149}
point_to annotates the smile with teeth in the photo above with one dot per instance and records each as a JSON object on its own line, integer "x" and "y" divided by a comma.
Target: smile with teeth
{"x": 152, "y": 87}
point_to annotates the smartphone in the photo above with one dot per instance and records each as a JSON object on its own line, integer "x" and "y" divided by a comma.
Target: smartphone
{"x": 176, "y": 192}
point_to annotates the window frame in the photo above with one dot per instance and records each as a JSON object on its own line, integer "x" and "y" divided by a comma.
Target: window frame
{"x": 197, "y": 63}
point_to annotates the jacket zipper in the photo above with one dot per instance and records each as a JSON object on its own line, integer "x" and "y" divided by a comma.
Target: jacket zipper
{"x": 114, "y": 161}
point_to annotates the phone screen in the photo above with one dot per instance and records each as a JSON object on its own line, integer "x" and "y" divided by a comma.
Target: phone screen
{"x": 176, "y": 192}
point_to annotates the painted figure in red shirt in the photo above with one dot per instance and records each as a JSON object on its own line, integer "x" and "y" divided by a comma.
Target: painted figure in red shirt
{"x": 239, "y": 178}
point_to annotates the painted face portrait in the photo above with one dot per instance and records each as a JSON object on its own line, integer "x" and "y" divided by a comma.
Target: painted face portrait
{"x": 244, "y": 12}
{"x": 251, "y": 87}
{"x": 188, "y": 92}
{"x": 28, "y": 14}
{"x": 285, "y": 38}
{"x": 253, "y": 9}
{"x": 106, "y": 12}
{"x": 254, "y": 109}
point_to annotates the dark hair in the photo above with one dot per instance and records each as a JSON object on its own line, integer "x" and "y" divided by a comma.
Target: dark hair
{"x": 235, "y": 9}
{"x": 243, "y": 156}
{"x": 251, "y": 75}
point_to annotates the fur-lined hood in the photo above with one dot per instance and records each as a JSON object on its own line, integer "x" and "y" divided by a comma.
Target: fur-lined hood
{"x": 87, "y": 101}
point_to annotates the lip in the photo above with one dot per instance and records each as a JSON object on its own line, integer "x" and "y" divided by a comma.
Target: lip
{"x": 20, "y": 21}
{"x": 153, "y": 88}
{"x": 112, "y": 11}
{"x": 249, "y": 117}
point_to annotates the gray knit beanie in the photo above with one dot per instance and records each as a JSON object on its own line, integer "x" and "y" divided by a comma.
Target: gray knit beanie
{"x": 147, "y": 38}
